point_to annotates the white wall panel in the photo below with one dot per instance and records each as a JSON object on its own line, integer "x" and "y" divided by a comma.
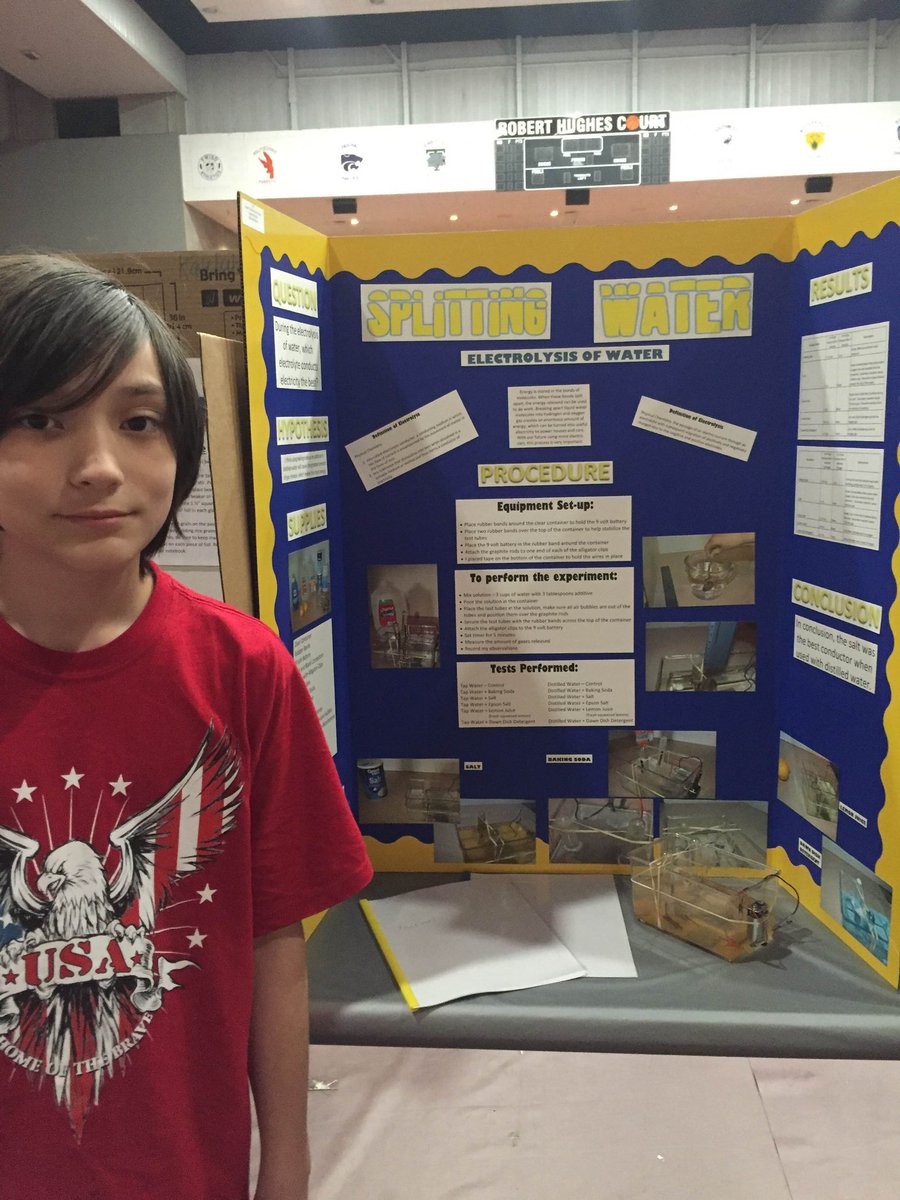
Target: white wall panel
{"x": 581, "y": 46}
{"x": 823, "y": 77}
{"x": 345, "y": 60}
{"x": 576, "y": 87}
{"x": 734, "y": 38}
{"x": 696, "y": 81}
{"x": 332, "y": 101}
{"x": 831, "y": 33}
{"x": 232, "y": 93}
{"x": 887, "y": 63}
{"x": 462, "y": 94}
{"x": 445, "y": 54}
{"x": 464, "y": 81}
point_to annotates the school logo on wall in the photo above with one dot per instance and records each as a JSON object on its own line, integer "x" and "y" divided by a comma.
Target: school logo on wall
{"x": 210, "y": 167}
{"x": 435, "y": 156}
{"x": 815, "y": 136}
{"x": 351, "y": 159}
{"x": 670, "y": 307}
{"x": 265, "y": 158}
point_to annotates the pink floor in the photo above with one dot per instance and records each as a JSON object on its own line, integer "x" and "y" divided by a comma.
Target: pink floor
{"x": 513, "y": 1125}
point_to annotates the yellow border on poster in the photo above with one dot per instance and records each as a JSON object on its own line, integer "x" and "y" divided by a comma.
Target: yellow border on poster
{"x": 810, "y": 894}
{"x": 283, "y": 237}
{"x": 549, "y": 250}
{"x": 866, "y": 212}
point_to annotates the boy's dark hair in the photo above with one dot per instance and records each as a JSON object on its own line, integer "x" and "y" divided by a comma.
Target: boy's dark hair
{"x": 68, "y": 329}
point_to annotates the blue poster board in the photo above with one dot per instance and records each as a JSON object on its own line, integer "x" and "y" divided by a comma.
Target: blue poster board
{"x": 591, "y": 498}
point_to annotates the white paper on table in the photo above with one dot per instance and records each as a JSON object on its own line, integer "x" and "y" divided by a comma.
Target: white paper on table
{"x": 585, "y": 914}
{"x": 460, "y": 939}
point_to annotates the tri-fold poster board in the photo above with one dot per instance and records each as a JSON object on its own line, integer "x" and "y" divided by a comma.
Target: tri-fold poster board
{"x": 585, "y": 535}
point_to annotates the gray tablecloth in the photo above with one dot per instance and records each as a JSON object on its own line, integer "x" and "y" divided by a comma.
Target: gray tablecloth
{"x": 805, "y": 995}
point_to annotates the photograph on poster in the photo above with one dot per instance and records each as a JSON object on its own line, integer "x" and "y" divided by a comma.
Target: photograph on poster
{"x": 603, "y": 831}
{"x": 404, "y": 629}
{"x": 857, "y": 899}
{"x": 809, "y": 784}
{"x": 696, "y": 570}
{"x": 701, "y": 656}
{"x": 407, "y": 791}
{"x": 662, "y": 764}
{"x": 720, "y": 829}
{"x": 489, "y": 831}
{"x": 309, "y": 584}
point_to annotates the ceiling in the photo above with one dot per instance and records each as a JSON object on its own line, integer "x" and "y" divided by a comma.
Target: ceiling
{"x": 139, "y": 50}
{"x": 82, "y": 48}
{"x": 276, "y": 24}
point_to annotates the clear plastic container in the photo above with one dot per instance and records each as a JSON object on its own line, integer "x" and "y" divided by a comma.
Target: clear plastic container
{"x": 709, "y": 575}
{"x": 728, "y": 908}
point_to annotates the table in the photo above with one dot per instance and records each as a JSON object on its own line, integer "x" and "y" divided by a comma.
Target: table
{"x": 806, "y": 995}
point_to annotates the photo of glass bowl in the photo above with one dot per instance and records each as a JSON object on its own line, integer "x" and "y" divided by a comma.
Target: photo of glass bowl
{"x": 709, "y": 576}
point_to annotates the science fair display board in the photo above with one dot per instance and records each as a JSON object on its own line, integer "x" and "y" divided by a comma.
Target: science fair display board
{"x": 584, "y": 536}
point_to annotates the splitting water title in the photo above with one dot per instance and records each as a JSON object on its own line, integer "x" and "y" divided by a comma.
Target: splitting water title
{"x": 649, "y": 308}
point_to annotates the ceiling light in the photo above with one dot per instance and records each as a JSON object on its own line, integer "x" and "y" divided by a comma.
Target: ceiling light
{"x": 354, "y": 220}
{"x": 796, "y": 200}
{"x": 673, "y": 208}
{"x": 454, "y": 217}
{"x": 554, "y": 212}
{"x": 31, "y": 55}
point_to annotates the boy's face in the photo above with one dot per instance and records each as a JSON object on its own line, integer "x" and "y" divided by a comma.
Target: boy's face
{"x": 87, "y": 489}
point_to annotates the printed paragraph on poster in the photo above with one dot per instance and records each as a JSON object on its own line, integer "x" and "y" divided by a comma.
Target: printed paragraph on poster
{"x": 843, "y": 655}
{"x": 838, "y": 495}
{"x": 552, "y": 415}
{"x": 574, "y": 610}
{"x": 314, "y": 656}
{"x": 411, "y": 440}
{"x": 556, "y": 529}
{"x": 843, "y": 379}
{"x": 514, "y": 694}
{"x": 297, "y": 363}
{"x": 697, "y": 429}
{"x": 198, "y": 546}
{"x": 306, "y": 464}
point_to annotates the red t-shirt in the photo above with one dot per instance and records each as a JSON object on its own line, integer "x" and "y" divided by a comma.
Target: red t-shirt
{"x": 164, "y": 799}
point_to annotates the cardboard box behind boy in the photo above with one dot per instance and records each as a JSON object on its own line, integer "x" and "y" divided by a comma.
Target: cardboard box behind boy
{"x": 194, "y": 291}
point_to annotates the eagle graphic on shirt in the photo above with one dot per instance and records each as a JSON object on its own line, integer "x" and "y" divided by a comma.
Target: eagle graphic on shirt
{"x": 81, "y": 974}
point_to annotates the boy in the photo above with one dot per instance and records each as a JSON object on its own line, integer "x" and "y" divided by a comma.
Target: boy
{"x": 168, "y": 807}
